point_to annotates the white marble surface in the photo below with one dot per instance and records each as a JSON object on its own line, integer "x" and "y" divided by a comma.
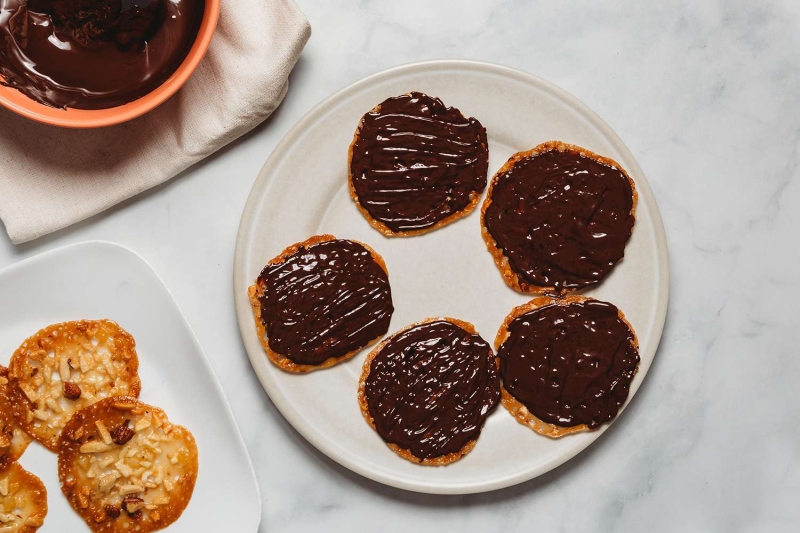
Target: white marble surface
{"x": 706, "y": 96}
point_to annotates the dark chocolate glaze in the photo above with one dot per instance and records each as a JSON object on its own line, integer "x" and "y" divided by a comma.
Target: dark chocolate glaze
{"x": 324, "y": 301}
{"x": 562, "y": 219}
{"x": 570, "y": 365}
{"x": 430, "y": 388}
{"x": 94, "y": 54}
{"x": 416, "y": 162}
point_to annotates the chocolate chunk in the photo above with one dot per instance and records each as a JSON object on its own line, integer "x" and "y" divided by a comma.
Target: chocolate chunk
{"x": 416, "y": 162}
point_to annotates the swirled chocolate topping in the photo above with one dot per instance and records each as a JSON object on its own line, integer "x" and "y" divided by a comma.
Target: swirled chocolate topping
{"x": 570, "y": 364}
{"x": 324, "y": 301}
{"x": 561, "y": 218}
{"x": 94, "y": 54}
{"x": 416, "y": 162}
{"x": 431, "y": 387}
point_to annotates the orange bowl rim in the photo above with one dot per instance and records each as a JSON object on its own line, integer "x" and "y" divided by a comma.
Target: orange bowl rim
{"x": 17, "y": 102}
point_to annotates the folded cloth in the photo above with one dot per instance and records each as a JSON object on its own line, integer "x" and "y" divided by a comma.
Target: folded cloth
{"x": 52, "y": 177}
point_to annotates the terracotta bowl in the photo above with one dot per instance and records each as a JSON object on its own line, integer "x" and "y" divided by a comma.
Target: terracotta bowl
{"x": 84, "y": 118}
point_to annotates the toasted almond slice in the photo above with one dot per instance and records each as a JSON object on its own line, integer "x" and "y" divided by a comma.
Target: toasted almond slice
{"x": 95, "y": 446}
{"x": 29, "y": 392}
{"x": 104, "y": 434}
{"x": 124, "y": 405}
{"x": 63, "y": 369}
{"x": 106, "y": 482}
{"x": 124, "y": 469}
{"x": 142, "y": 423}
{"x": 130, "y": 489}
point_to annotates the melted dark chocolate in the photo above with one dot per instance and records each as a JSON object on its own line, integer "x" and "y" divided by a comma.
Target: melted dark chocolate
{"x": 570, "y": 365}
{"x": 325, "y": 300}
{"x": 430, "y": 389}
{"x": 562, "y": 219}
{"x": 417, "y": 162}
{"x": 94, "y": 54}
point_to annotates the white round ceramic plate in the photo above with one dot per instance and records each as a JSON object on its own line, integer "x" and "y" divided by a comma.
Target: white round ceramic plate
{"x": 302, "y": 191}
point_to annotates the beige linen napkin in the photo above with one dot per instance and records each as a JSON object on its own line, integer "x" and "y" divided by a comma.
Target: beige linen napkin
{"x": 52, "y": 177}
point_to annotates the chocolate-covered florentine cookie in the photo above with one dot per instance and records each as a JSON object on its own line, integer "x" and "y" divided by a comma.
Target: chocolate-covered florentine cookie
{"x": 320, "y": 302}
{"x": 557, "y": 218}
{"x": 566, "y": 364}
{"x": 428, "y": 389}
{"x": 416, "y": 165}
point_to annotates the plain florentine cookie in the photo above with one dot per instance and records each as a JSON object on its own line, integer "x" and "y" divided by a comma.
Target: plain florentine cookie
{"x": 66, "y": 367}
{"x": 124, "y": 467}
{"x": 23, "y": 500}
{"x": 13, "y": 441}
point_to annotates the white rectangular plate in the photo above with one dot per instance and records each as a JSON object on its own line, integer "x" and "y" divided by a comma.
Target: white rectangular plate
{"x": 102, "y": 280}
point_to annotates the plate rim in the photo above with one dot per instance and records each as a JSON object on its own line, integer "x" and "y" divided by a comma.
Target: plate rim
{"x": 22, "y": 264}
{"x": 262, "y": 185}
